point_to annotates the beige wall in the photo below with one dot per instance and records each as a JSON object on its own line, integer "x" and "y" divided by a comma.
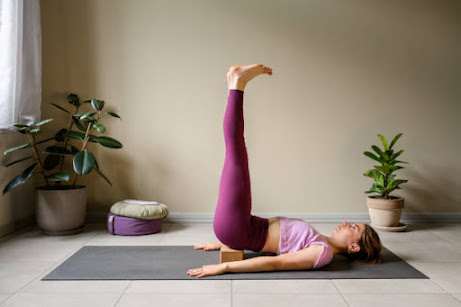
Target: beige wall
{"x": 343, "y": 72}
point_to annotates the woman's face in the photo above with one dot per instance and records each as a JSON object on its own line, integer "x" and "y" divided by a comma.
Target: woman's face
{"x": 349, "y": 234}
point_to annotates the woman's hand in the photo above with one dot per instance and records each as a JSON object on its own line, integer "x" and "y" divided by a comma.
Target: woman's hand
{"x": 208, "y": 270}
{"x": 209, "y": 246}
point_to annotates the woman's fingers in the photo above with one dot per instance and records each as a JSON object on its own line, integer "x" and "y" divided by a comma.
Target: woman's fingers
{"x": 204, "y": 246}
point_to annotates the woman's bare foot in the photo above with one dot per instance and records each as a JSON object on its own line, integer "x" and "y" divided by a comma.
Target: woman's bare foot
{"x": 239, "y": 76}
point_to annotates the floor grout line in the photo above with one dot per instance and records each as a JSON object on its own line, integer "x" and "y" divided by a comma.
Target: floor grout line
{"x": 123, "y": 293}
{"x": 340, "y": 293}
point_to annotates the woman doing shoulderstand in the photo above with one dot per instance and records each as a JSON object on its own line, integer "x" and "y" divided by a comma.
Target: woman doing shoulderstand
{"x": 296, "y": 244}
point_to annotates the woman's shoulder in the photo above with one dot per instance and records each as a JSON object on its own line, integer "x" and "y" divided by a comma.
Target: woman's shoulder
{"x": 325, "y": 255}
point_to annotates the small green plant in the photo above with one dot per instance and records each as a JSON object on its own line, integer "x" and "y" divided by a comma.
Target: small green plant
{"x": 83, "y": 160}
{"x": 385, "y": 181}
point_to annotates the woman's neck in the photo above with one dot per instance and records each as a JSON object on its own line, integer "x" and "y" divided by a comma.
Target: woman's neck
{"x": 336, "y": 246}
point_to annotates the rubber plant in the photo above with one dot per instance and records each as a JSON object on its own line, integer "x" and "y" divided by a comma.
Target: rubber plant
{"x": 383, "y": 174}
{"x": 51, "y": 168}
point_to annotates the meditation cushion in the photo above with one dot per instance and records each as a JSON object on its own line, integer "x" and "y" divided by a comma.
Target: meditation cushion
{"x": 136, "y": 217}
{"x": 139, "y": 209}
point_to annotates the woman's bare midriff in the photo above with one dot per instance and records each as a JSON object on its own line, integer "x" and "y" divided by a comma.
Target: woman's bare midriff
{"x": 273, "y": 236}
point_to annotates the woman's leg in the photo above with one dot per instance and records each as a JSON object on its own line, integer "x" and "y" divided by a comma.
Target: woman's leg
{"x": 233, "y": 223}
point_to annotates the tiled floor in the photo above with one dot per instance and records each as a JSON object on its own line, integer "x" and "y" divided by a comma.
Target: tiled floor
{"x": 27, "y": 256}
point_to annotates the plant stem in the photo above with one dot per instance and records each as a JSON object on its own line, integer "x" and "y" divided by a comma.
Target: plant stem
{"x": 86, "y": 140}
{"x": 69, "y": 126}
{"x": 37, "y": 156}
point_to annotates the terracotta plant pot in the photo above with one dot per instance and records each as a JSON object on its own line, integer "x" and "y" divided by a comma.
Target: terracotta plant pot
{"x": 61, "y": 211}
{"x": 385, "y": 213}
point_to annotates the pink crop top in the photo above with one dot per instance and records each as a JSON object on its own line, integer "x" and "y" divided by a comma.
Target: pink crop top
{"x": 295, "y": 235}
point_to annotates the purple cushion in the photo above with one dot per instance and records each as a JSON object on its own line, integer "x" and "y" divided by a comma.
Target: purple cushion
{"x": 128, "y": 226}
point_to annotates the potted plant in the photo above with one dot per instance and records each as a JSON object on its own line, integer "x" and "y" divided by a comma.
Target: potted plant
{"x": 61, "y": 208}
{"x": 385, "y": 210}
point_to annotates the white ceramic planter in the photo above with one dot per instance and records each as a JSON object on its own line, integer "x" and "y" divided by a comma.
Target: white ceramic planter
{"x": 385, "y": 212}
{"x": 61, "y": 212}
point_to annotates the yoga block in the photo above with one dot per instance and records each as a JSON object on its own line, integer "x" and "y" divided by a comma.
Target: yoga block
{"x": 228, "y": 254}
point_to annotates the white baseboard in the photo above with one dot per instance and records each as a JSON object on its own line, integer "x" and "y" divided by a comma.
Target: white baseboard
{"x": 321, "y": 217}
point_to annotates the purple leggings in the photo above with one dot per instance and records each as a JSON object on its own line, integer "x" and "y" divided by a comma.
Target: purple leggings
{"x": 233, "y": 223}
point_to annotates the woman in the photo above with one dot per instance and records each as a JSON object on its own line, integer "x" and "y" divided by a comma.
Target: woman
{"x": 298, "y": 245}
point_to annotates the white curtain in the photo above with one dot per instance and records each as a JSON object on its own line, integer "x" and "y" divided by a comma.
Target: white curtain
{"x": 20, "y": 63}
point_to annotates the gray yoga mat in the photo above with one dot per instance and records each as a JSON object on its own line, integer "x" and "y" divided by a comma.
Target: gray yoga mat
{"x": 173, "y": 262}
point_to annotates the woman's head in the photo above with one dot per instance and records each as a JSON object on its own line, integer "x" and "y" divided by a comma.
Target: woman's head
{"x": 362, "y": 242}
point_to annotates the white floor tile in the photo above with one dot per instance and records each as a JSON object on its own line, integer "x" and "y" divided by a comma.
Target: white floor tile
{"x": 180, "y": 286}
{"x": 37, "y": 252}
{"x": 4, "y": 296}
{"x": 424, "y": 250}
{"x": 386, "y": 300}
{"x": 77, "y": 286}
{"x": 283, "y": 286}
{"x": 62, "y": 299}
{"x": 105, "y": 238}
{"x": 450, "y": 232}
{"x": 287, "y": 300}
{"x": 174, "y": 300}
{"x": 446, "y": 275}
{"x": 387, "y": 286}
{"x": 35, "y": 237}
{"x": 15, "y": 275}
{"x": 457, "y": 295}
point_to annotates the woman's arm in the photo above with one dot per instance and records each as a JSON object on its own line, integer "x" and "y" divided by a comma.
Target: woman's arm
{"x": 255, "y": 264}
{"x": 300, "y": 260}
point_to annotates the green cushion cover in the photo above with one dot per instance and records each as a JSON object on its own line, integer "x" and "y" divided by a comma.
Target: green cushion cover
{"x": 139, "y": 209}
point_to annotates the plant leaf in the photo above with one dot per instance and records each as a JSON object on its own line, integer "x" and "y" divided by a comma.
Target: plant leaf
{"x": 113, "y": 114}
{"x": 384, "y": 141}
{"x": 83, "y": 162}
{"x": 35, "y": 131}
{"x": 19, "y": 125}
{"x": 97, "y": 104}
{"x": 395, "y": 139}
{"x": 57, "y": 150}
{"x": 51, "y": 161}
{"x": 59, "y": 176}
{"x": 20, "y": 179}
{"x": 74, "y": 150}
{"x": 374, "y": 188}
{"x": 380, "y": 153}
{"x": 96, "y": 168}
{"x": 59, "y": 107}
{"x": 89, "y": 114}
{"x": 74, "y": 135}
{"x": 79, "y": 125}
{"x": 59, "y": 136}
{"x": 17, "y": 161}
{"x": 107, "y": 141}
{"x": 73, "y": 99}
{"x": 376, "y": 175}
{"x": 100, "y": 128}
{"x": 370, "y": 155}
{"x": 43, "y": 122}
{"x": 384, "y": 169}
{"x": 396, "y": 155}
{"x": 16, "y": 148}
{"x": 393, "y": 185}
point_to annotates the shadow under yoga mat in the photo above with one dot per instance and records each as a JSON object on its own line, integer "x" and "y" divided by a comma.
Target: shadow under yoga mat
{"x": 173, "y": 262}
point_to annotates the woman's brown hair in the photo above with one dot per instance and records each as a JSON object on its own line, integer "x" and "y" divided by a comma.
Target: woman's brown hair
{"x": 370, "y": 248}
